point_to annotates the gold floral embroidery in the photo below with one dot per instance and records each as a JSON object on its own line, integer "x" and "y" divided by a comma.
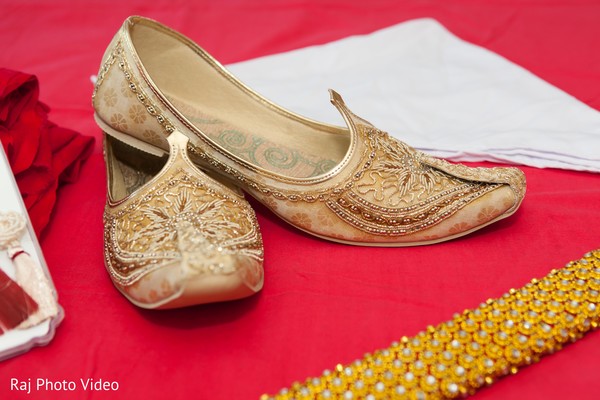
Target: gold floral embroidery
{"x": 486, "y": 214}
{"x": 271, "y": 203}
{"x": 118, "y": 122}
{"x": 137, "y": 113}
{"x": 166, "y": 287}
{"x": 162, "y": 225}
{"x": 458, "y": 227}
{"x": 125, "y": 90}
{"x": 430, "y": 237}
{"x": 131, "y": 86}
{"x": 325, "y": 218}
{"x": 110, "y": 97}
{"x": 339, "y": 236}
{"x": 398, "y": 176}
{"x": 153, "y": 295}
{"x": 397, "y": 194}
{"x": 507, "y": 203}
{"x": 301, "y": 219}
{"x": 152, "y": 137}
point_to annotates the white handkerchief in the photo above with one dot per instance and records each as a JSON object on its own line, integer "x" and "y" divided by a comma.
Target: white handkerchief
{"x": 437, "y": 93}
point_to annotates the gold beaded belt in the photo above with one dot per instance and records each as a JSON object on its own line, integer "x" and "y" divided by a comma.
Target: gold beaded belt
{"x": 476, "y": 347}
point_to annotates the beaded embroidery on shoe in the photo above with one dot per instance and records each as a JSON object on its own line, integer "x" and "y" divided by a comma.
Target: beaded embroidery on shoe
{"x": 370, "y": 188}
{"x": 177, "y": 237}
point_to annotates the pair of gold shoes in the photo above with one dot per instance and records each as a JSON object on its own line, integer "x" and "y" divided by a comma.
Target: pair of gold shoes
{"x": 183, "y": 136}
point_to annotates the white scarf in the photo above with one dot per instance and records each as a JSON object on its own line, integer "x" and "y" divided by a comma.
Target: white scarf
{"x": 437, "y": 93}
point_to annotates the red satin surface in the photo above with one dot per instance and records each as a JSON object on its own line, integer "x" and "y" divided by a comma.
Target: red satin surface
{"x": 41, "y": 154}
{"x": 323, "y": 303}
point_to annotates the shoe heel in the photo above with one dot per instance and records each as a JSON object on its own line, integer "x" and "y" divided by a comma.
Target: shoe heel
{"x": 128, "y": 139}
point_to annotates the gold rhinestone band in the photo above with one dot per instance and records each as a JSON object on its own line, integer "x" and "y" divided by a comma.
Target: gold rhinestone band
{"x": 473, "y": 349}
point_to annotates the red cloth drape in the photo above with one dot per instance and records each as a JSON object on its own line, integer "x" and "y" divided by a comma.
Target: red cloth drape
{"x": 41, "y": 154}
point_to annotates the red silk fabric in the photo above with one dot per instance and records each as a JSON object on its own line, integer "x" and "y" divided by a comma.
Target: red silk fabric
{"x": 41, "y": 154}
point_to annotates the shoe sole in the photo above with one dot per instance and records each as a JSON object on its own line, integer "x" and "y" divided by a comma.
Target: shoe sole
{"x": 192, "y": 295}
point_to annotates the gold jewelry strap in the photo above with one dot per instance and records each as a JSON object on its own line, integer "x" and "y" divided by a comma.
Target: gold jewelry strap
{"x": 476, "y": 347}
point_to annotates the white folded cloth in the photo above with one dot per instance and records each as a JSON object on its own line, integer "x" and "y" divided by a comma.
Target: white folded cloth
{"x": 437, "y": 93}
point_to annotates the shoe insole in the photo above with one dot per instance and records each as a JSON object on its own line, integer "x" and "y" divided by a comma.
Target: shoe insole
{"x": 255, "y": 148}
{"x": 129, "y": 168}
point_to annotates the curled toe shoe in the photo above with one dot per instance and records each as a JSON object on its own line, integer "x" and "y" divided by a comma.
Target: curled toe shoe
{"x": 173, "y": 236}
{"x": 352, "y": 184}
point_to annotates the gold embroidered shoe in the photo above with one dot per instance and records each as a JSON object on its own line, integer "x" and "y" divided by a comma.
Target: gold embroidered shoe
{"x": 353, "y": 184}
{"x": 173, "y": 236}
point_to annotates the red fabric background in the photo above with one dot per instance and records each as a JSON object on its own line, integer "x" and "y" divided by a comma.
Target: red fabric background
{"x": 323, "y": 303}
{"x": 41, "y": 154}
